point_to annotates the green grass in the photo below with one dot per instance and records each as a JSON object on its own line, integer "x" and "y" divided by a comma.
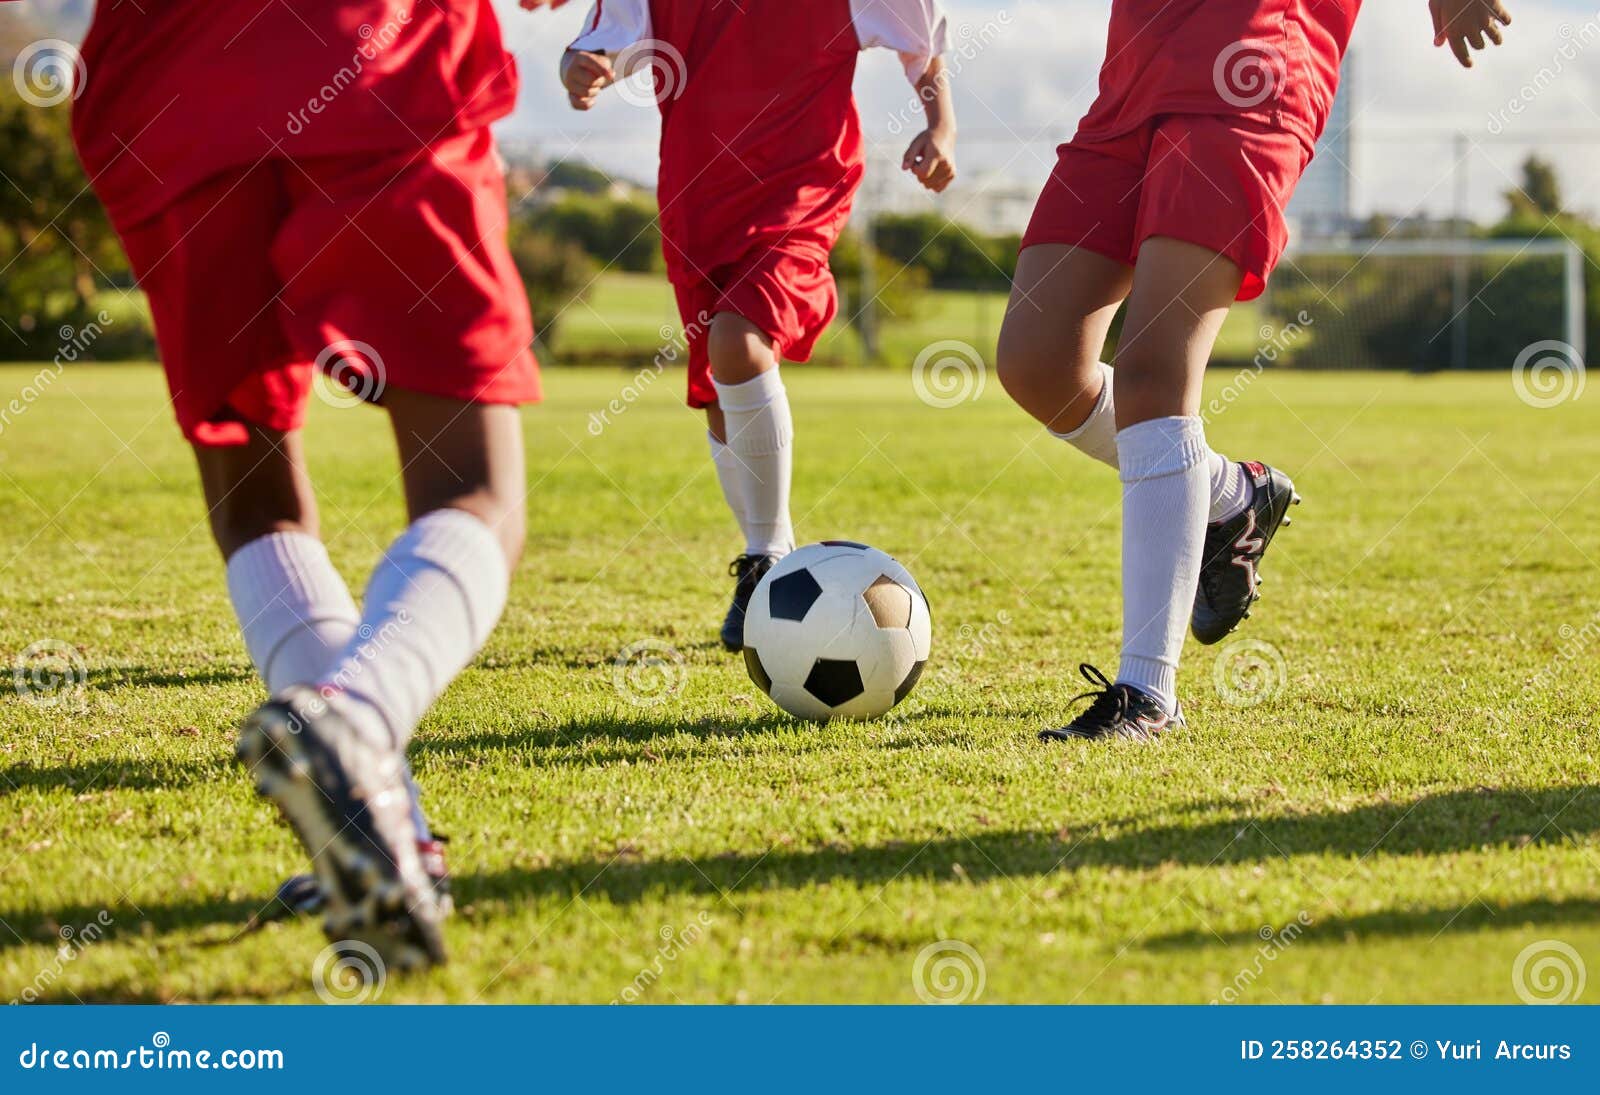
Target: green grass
{"x": 626, "y": 313}
{"x": 1420, "y": 787}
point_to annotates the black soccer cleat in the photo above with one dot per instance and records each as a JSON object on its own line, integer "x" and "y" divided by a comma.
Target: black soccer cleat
{"x": 1117, "y": 711}
{"x": 748, "y": 570}
{"x": 303, "y": 895}
{"x": 348, "y": 803}
{"x": 1230, "y": 581}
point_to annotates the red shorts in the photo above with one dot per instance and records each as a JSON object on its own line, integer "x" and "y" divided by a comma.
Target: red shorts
{"x": 1218, "y": 182}
{"x": 382, "y": 269}
{"x": 790, "y": 295}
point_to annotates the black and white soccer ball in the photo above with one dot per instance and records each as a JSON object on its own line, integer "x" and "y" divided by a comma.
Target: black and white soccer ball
{"x": 837, "y": 630}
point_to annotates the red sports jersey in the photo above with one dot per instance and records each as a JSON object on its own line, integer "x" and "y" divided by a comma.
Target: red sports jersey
{"x": 760, "y": 141}
{"x": 1277, "y": 60}
{"x": 179, "y": 90}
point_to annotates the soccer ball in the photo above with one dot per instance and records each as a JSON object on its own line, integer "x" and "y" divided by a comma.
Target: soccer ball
{"x": 837, "y": 630}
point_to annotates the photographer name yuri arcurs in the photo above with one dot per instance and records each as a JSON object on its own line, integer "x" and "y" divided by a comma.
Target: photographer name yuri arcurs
{"x": 1395, "y": 1049}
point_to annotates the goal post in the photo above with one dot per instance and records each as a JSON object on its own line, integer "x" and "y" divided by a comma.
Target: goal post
{"x": 1430, "y": 304}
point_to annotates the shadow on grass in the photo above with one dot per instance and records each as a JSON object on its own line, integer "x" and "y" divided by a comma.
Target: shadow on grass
{"x": 626, "y": 735}
{"x": 1453, "y": 822}
{"x": 1457, "y": 821}
{"x": 82, "y": 777}
{"x": 107, "y": 678}
{"x": 1431, "y": 921}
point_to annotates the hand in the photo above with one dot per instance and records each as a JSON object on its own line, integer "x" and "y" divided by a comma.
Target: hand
{"x": 931, "y": 158}
{"x": 585, "y": 75}
{"x": 1467, "y": 22}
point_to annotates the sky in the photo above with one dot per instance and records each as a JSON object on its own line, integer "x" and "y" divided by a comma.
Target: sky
{"x": 1030, "y": 72}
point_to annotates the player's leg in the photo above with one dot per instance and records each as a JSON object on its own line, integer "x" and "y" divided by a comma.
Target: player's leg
{"x": 1181, "y": 295}
{"x": 439, "y": 590}
{"x": 398, "y": 266}
{"x": 1063, "y": 300}
{"x": 752, "y": 445}
{"x": 294, "y": 608}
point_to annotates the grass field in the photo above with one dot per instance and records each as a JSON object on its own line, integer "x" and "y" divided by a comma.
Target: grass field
{"x": 1401, "y": 787}
{"x": 625, "y": 314}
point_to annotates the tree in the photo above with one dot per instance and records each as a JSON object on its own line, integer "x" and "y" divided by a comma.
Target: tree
{"x": 556, "y": 272}
{"x": 622, "y": 234}
{"x": 55, "y": 239}
{"x": 1540, "y": 192}
{"x": 898, "y": 289}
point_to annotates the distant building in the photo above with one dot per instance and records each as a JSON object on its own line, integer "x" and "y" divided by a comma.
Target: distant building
{"x": 1323, "y": 203}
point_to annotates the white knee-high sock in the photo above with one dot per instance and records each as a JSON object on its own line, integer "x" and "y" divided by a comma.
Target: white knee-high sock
{"x": 297, "y": 616}
{"x": 1230, "y": 488}
{"x": 1096, "y": 436}
{"x": 294, "y": 609}
{"x": 430, "y": 604}
{"x": 729, "y": 476}
{"x": 1165, "y": 487}
{"x": 761, "y": 443}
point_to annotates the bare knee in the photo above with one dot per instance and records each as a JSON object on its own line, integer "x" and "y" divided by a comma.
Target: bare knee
{"x": 1056, "y": 381}
{"x": 739, "y": 350}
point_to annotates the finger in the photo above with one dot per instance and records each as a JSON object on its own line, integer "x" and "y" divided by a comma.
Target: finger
{"x": 1492, "y": 32}
{"x": 1499, "y": 11}
{"x": 1458, "y": 46}
{"x": 912, "y": 152}
{"x": 1476, "y": 38}
{"x": 1438, "y": 22}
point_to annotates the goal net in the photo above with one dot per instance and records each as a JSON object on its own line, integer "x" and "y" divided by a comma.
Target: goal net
{"x": 1425, "y": 305}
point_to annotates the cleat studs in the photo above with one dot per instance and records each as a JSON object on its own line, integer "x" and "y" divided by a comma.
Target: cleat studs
{"x": 1287, "y": 521}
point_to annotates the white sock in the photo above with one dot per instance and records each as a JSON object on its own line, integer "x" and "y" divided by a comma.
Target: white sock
{"x": 761, "y": 445}
{"x": 430, "y": 605}
{"x": 297, "y": 616}
{"x": 1230, "y": 488}
{"x": 1096, "y": 437}
{"x": 294, "y": 609}
{"x": 728, "y": 475}
{"x": 1165, "y": 482}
